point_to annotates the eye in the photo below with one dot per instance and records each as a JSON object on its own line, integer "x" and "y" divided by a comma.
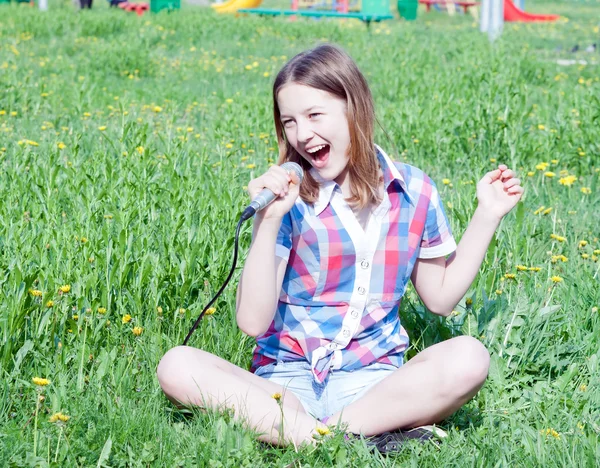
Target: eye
{"x": 287, "y": 123}
{"x": 312, "y": 115}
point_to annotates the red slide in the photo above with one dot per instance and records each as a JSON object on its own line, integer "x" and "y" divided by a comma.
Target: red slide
{"x": 512, "y": 13}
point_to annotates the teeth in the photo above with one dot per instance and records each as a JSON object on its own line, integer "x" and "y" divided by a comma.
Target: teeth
{"x": 315, "y": 149}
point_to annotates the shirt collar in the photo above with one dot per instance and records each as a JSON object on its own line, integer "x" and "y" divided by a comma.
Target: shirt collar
{"x": 390, "y": 174}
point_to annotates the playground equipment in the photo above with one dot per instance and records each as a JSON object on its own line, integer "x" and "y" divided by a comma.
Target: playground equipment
{"x": 138, "y": 8}
{"x": 141, "y": 7}
{"x": 233, "y": 6}
{"x": 450, "y": 5}
{"x": 370, "y": 10}
{"x": 512, "y": 13}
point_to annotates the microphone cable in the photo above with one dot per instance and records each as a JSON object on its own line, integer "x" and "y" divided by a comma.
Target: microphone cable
{"x": 265, "y": 197}
{"x": 212, "y": 301}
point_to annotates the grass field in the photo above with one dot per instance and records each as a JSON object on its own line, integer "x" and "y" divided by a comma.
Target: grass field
{"x": 126, "y": 143}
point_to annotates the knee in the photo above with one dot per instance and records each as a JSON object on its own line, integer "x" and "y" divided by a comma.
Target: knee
{"x": 172, "y": 367}
{"x": 471, "y": 362}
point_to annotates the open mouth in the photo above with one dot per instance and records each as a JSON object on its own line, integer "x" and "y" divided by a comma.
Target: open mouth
{"x": 319, "y": 155}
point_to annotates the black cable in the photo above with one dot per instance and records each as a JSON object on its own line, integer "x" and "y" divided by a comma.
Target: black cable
{"x": 235, "y": 256}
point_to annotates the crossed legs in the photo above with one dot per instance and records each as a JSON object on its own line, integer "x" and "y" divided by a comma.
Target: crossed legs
{"x": 190, "y": 376}
{"x": 427, "y": 389}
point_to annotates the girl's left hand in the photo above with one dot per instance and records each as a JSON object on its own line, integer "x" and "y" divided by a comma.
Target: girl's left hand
{"x": 499, "y": 191}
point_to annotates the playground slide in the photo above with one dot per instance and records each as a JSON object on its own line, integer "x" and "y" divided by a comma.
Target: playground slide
{"x": 512, "y": 13}
{"x": 231, "y": 6}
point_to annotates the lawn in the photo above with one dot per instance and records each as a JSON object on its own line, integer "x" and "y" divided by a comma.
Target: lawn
{"x": 125, "y": 146}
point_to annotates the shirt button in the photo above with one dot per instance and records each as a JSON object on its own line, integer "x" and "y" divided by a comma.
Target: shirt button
{"x": 346, "y": 333}
{"x": 354, "y": 313}
{"x": 361, "y": 290}
{"x": 364, "y": 264}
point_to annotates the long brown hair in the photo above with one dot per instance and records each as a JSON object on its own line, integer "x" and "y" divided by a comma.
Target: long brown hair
{"x": 329, "y": 68}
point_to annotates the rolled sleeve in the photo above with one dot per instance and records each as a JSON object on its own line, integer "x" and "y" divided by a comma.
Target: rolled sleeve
{"x": 437, "y": 238}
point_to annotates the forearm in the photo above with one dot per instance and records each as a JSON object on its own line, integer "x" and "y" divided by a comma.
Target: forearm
{"x": 463, "y": 266}
{"x": 257, "y": 293}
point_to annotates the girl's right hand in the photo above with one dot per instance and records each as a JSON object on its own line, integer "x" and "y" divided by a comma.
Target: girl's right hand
{"x": 283, "y": 184}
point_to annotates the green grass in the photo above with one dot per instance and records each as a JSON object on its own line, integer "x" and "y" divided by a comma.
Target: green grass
{"x": 126, "y": 143}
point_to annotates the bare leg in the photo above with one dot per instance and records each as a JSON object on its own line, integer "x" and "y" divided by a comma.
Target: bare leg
{"x": 190, "y": 376}
{"x": 427, "y": 389}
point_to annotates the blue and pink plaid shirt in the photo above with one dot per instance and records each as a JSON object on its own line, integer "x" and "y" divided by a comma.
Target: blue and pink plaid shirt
{"x": 338, "y": 306}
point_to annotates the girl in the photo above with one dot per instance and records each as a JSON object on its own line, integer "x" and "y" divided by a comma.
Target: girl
{"x": 329, "y": 262}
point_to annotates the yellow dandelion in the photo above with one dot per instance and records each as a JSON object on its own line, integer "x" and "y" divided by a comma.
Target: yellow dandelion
{"x": 558, "y": 238}
{"x": 521, "y": 268}
{"x": 549, "y": 174}
{"x": 277, "y": 396}
{"x": 541, "y": 166}
{"x": 446, "y": 181}
{"x": 582, "y": 243}
{"x": 159, "y": 310}
{"x": 250, "y": 166}
{"x": 59, "y": 417}
{"x": 530, "y": 174}
{"x": 101, "y": 310}
{"x": 469, "y": 302}
{"x": 140, "y": 149}
{"x": 539, "y": 210}
{"x": 323, "y": 431}
{"x": 567, "y": 181}
{"x": 547, "y": 211}
{"x": 157, "y": 109}
{"x": 229, "y": 101}
{"x": 534, "y": 269}
{"x": 65, "y": 288}
{"x": 585, "y": 190}
{"x": 541, "y": 127}
{"x": 498, "y": 291}
{"x": 181, "y": 310}
{"x": 550, "y": 432}
{"x": 556, "y": 279}
{"x": 102, "y": 128}
{"x": 585, "y": 256}
{"x": 40, "y": 382}
{"x": 137, "y": 331}
{"x": 510, "y": 276}
{"x": 50, "y": 304}
{"x": 61, "y": 145}
{"x": 36, "y": 292}
{"x": 126, "y": 318}
{"x": 75, "y": 317}
{"x": 210, "y": 311}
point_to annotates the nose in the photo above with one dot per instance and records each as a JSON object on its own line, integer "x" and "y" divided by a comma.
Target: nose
{"x": 304, "y": 131}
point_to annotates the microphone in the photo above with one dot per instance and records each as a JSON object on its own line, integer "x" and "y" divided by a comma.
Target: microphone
{"x": 266, "y": 196}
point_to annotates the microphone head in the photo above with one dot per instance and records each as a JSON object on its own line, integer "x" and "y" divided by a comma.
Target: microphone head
{"x": 294, "y": 167}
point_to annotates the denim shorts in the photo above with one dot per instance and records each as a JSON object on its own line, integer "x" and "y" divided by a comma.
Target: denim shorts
{"x": 339, "y": 389}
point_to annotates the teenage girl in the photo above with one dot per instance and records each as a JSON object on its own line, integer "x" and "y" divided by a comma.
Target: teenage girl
{"x": 329, "y": 263}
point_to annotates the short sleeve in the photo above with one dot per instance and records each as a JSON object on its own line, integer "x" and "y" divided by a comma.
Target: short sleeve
{"x": 437, "y": 240}
{"x": 284, "y": 238}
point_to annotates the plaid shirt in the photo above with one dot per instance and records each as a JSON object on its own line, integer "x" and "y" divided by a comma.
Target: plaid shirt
{"x": 338, "y": 306}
